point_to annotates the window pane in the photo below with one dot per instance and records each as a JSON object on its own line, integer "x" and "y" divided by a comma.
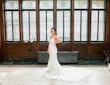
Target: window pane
{"x": 46, "y": 4}
{"x": 49, "y": 22}
{"x": 46, "y": 23}
{"x": 12, "y": 26}
{"x": 101, "y": 26}
{"x": 11, "y": 4}
{"x": 29, "y": 4}
{"x": 8, "y": 16}
{"x": 25, "y": 18}
{"x": 80, "y": 4}
{"x": 67, "y": 26}
{"x": 63, "y": 25}
{"x": 80, "y": 25}
{"x": 33, "y": 25}
{"x": 98, "y": 20}
{"x": 98, "y": 26}
{"x": 63, "y": 19}
{"x": 84, "y": 29}
{"x": 63, "y": 4}
{"x": 29, "y": 25}
{"x": 45, "y": 19}
{"x": 77, "y": 25}
{"x": 60, "y": 24}
{"x": 98, "y": 4}
{"x": 16, "y": 33}
{"x": 94, "y": 29}
{"x": 42, "y": 26}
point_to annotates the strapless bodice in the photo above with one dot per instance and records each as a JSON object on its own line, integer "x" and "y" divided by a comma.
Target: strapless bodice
{"x": 52, "y": 45}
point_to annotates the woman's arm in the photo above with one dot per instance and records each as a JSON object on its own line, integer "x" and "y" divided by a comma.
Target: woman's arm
{"x": 58, "y": 40}
{"x": 48, "y": 50}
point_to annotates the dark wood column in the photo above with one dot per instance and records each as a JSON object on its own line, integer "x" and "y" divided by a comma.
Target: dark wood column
{"x": 54, "y": 13}
{"x": 109, "y": 21}
{"x": 108, "y": 26}
{"x": 0, "y": 27}
{"x": 1, "y": 24}
{"x": 72, "y": 21}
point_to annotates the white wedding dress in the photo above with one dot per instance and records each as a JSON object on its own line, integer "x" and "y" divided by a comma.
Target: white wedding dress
{"x": 55, "y": 71}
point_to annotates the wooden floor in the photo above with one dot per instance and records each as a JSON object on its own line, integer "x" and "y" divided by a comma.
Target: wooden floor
{"x": 102, "y": 76}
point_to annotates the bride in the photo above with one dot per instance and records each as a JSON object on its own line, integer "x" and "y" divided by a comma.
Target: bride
{"x": 55, "y": 70}
{"x": 53, "y": 64}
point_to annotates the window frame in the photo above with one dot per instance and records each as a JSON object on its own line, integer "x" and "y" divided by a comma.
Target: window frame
{"x": 105, "y": 18}
{"x": 11, "y": 10}
{"x": 63, "y": 10}
{"x": 81, "y": 10}
{"x": 72, "y": 10}
{"x": 45, "y": 10}
{"x": 29, "y": 22}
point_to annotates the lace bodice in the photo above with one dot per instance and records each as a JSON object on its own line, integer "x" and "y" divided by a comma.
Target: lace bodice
{"x": 52, "y": 42}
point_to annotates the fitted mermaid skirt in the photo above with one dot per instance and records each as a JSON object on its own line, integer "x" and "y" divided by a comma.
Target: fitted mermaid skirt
{"x": 55, "y": 71}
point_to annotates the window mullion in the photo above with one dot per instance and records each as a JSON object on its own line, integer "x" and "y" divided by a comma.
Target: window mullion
{"x": 29, "y": 24}
{"x": 98, "y": 27}
{"x": 80, "y": 25}
{"x": 63, "y": 24}
{"x": 12, "y": 26}
{"x": 46, "y": 25}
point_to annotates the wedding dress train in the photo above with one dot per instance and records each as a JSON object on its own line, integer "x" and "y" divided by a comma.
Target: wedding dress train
{"x": 55, "y": 71}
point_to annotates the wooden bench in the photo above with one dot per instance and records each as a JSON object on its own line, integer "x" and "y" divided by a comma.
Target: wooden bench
{"x": 63, "y": 56}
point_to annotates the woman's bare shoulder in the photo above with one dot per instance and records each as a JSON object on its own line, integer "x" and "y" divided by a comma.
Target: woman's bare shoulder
{"x": 55, "y": 36}
{"x": 50, "y": 37}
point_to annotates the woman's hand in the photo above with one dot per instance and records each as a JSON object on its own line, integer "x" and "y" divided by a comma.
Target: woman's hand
{"x": 48, "y": 51}
{"x": 58, "y": 40}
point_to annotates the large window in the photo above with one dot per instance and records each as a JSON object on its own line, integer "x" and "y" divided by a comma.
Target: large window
{"x": 29, "y": 19}
{"x": 98, "y": 20}
{"x": 63, "y": 19}
{"x": 45, "y": 18}
{"x": 80, "y": 20}
{"x": 85, "y": 22}
{"x": 12, "y": 20}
